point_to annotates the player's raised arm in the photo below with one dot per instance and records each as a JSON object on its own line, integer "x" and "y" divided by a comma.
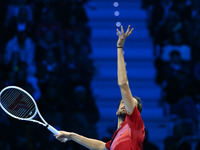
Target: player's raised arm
{"x": 89, "y": 143}
{"x": 127, "y": 97}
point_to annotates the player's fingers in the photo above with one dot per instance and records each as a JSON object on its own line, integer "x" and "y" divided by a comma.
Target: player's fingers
{"x": 122, "y": 30}
{"x": 59, "y": 136}
{"x": 61, "y": 139}
{"x": 127, "y": 31}
{"x": 118, "y": 32}
{"x": 64, "y": 140}
{"x": 130, "y": 32}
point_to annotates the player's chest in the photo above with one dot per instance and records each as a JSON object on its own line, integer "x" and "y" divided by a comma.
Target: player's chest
{"x": 124, "y": 134}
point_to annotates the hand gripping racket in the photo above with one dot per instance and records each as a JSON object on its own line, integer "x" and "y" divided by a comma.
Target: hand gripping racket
{"x": 19, "y": 104}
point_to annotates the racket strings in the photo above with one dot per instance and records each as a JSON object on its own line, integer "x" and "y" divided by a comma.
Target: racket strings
{"x": 6, "y": 98}
{"x": 30, "y": 106}
{"x": 17, "y": 108}
{"x": 18, "y": 103}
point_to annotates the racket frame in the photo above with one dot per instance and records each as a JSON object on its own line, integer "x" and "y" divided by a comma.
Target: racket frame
{"x": 45, "y": 124}
{"x": 36, "y": 108}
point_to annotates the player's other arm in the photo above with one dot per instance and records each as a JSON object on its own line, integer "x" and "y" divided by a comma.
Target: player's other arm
{"x": 89, "y": 143}
{"x": 123, "y": 83}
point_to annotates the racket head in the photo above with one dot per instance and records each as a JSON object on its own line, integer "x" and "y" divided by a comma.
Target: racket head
{"x": 18, "y": 103}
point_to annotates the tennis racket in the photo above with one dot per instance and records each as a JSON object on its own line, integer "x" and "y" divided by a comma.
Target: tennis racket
{"x": 19, "y": 104}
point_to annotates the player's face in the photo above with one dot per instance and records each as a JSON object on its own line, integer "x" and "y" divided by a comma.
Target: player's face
{"x": 121, "y": 109}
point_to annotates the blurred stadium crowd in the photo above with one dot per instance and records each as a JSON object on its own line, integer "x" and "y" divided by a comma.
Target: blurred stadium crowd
{"x": 45, "y": 49}
{"x": 174, "y": 26}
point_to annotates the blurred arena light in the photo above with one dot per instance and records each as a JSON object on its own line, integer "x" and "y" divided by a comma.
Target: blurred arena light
{"x": 115, "y": 4}
{"x": 116, "y": 13}
{"x": 118, "y": 24}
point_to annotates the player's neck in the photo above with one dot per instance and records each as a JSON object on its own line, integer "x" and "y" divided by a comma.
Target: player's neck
{"x": 119, "y": 122}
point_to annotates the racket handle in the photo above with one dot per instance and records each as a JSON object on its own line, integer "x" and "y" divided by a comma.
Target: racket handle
{"x": 54, "y": 131}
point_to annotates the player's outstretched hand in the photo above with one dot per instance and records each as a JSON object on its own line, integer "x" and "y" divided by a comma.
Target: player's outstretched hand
{"x": 123, "y": 36}
{"x": 63, "y": 136}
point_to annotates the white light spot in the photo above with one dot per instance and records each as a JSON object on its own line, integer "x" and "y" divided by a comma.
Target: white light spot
{"x": 116, "y": 13}
{"x": 115, "y": 4}
{"x": 118, "y": 24}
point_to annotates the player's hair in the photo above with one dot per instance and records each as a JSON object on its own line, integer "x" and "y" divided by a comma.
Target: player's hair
{"x": 139, "y": 104}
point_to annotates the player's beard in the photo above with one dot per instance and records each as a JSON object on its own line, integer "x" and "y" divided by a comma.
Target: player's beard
{"x": 122, "y": 116}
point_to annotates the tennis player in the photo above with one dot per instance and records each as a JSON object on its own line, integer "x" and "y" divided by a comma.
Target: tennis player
{"x": 130, "y": 131}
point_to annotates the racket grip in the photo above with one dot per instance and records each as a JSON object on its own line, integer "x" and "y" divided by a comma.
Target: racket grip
{"x": 54, "y": 131}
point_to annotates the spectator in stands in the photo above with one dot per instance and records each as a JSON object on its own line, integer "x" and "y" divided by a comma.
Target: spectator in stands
{"x": 183, "y": 9}
{"x": 160, "y": 10}
{"x": 18, "y": 73}
{"x": 177, "y": 78}
{"x": 2, "y": 69}
{"x": 20, "y": 19}
{"x": 147, "y": 145}
{"x": 194, "y": 38}
{"x": 176, "y": 42}
{"x": 196, "y": 50}
{"x": 78, "y": 67}
{"x": 3, "y": 9}
{"x": 186, "y": 112}
{"x": 23, "y": 45}
{"x": 75, "y": 12}
{"x": 71, "y": 56}
{"x": 49, "y": 23}
{"x": 146, "y": 3}
{"x": 49, "y": 35}
{"x": 47, "y": 70}
{"x": 170, "y": 142}
{"x": 185, "y": 104}
{"x": 184, "y": 146}
{"x": 14, "y": 7}
{"x": 42, "y": 7}
{"x": 74, "y": 20}
{"x": 85, "y": 64}
{"x": 195, "y": 8}
{"x": 34, "y": 82}
{"x": 19, "y": 70}
{"x": 13, "y": 67}
{"x": 82, "y": 101}
{"x": 20, "y": 22}
{"x": 198, "y": 146}
{"x": 158, "y": 13}
{"x": 73, "y": 30}
{"x": 49, "y": 42}
{"x": 165, "y": 32}
{"x": 196, "y": 71}
{"x": 70, "y": 76}
{"x": 177, "y": 30}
